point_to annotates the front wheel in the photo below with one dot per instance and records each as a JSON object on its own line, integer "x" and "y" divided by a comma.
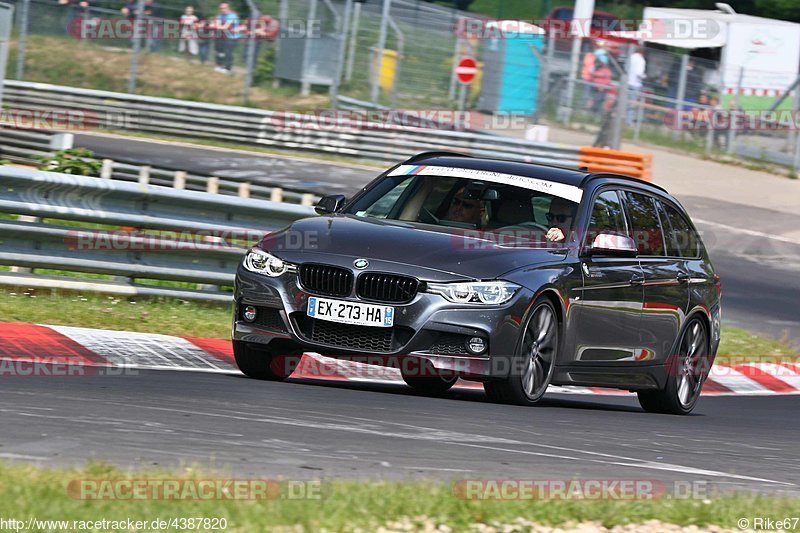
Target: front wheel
{"x": 533, "y": 365}
{"x": 264, "y": 363}
{"x": 686, "y": 373}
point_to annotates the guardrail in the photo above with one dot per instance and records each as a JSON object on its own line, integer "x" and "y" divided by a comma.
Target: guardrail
{"x": 386, "y": 143}
{"x": 134, "y": 232}
{"x": 180, "y": 179}
{"x": 21, "y": 145}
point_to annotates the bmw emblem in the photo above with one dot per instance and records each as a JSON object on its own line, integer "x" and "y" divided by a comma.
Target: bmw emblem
{"x": 361, "y": 264}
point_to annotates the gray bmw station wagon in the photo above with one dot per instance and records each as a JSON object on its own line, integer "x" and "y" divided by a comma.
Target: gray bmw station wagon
{"x": 514, "y": 274}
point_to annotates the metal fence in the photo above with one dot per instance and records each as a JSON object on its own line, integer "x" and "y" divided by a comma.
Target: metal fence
{"x": 22, "y": 145}
{"x": 125, "y": 238}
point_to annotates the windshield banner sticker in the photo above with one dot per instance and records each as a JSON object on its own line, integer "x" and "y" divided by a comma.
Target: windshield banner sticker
{"x": 568, "y": 192}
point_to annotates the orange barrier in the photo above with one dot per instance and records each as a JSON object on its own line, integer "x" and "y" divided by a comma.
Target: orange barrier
{"x": 617, "y": 161}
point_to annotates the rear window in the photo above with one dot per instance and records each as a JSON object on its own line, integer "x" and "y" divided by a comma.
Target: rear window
{"x": 686, "y": 241}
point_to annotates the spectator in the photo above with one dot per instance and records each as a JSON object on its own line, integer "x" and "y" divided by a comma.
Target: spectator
{"x": 601, "y": 80}
{"x": 227, "y": 34}
{"x": 701, "y": 117}
{"x": 78, "y": 16}
{"x": 188, "y": 41}
{"x": 720, "y": 123}
{"x": 129, "y": 10}
{"x": 694, "y": 81}
{"x": 152, "y": 11}
{"x": 636, "y": 75}
{"x": 587, "y": 67}
{"x": 205, "y": 32}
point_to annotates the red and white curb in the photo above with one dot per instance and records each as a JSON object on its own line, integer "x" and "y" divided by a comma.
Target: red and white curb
{"x": 67, "y": 345}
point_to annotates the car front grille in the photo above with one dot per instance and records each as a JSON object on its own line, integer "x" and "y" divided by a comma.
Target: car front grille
{"x": 353, "y": 337}
{"x": 327, "y": 280}
{"x": 391, "y": 288}
{"x": 335, "y": 336}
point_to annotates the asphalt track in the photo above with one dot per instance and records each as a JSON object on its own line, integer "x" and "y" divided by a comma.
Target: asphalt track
{"x": 295, "y": 173}
{"x": 309, "y": 429}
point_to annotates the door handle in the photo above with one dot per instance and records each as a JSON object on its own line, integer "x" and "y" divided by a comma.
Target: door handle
{"x": 636, "y": 279}
{"x": 683, "y": 277}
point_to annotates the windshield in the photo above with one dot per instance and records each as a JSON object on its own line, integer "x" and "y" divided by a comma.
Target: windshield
{"x": 455, "y": 202}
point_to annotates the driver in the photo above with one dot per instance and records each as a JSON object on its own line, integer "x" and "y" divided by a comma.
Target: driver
{"x": 559, "y": 217}
{"x": 465, "y": 210}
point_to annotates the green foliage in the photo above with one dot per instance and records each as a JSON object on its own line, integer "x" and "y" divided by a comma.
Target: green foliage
{"x": 265, "y": 63}
{"x": 78, "y": 161}
{"x": 360, "y": 505}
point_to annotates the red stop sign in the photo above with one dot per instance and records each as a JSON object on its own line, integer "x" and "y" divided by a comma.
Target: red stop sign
{"x": 466, "y": 70}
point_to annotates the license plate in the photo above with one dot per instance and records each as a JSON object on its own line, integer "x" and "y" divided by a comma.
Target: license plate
{"x": 381, "y": 316}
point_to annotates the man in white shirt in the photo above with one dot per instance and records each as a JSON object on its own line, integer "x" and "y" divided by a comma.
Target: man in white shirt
{"x": 636, "y": 75}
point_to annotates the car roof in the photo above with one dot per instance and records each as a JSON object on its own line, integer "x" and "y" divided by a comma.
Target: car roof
{"x": 568, "y": 176}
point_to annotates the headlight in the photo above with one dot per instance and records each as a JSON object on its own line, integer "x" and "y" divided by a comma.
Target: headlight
{"x": 261, "y": 262}
{"x": 477, "y": 292}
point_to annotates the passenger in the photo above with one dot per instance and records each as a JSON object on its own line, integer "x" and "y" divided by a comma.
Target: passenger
{"x": 465, "y": 210}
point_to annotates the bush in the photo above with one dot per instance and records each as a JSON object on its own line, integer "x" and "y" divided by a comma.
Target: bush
{"x": 78, "y": 161}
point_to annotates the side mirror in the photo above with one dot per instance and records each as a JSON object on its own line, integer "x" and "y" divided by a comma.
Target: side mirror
{"x": 613, "y": 244}
{"x": 330, "y": 204}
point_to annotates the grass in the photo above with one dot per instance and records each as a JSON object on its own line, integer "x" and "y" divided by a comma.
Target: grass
{"x": 89, "y": 65}
{"x": 158, "y": 315}
{"x": 738, "y": 345}
{"x": 347, "y": 505}
{"x": 197, "y": 319}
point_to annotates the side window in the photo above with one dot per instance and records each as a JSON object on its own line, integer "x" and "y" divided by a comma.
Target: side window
{"x": 671, "y": 238}
{"x": 684, "y": 234}
{"x": 607, "y": 216}
{"x": 646, "y": 226}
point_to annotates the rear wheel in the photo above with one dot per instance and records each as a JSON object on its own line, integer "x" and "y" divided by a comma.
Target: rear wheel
{"x": 263, "y": 362}
{"x": 686, "y": 373}
{"x": 533, "y": 365}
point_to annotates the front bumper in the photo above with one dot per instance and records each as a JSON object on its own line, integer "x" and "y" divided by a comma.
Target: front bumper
{"x": 428, "y": 328}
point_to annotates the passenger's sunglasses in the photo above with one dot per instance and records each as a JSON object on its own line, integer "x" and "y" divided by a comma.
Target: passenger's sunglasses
{"x": 458, "y": 202}
{"x": 560, "y": 217}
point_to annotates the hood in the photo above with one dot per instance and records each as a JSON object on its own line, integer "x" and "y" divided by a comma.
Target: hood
{"x": 408, "y": 247}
